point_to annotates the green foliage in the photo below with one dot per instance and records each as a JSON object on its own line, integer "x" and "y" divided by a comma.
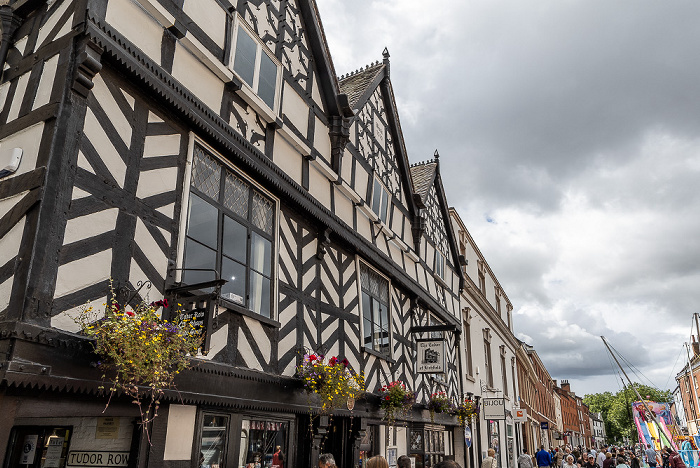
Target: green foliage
{"x": 617, "y": 408}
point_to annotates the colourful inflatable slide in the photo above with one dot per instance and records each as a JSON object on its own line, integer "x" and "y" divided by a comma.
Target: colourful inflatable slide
{"x": 651, "y": 433}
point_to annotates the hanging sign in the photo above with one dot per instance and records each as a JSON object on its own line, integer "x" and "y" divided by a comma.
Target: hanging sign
{"x": 431, "y": 357}
{"x": 544, "y": 425}
{"x": 494, "y": 408}
{"x": 467, "y": 436}
{"x": 520, "y": 415}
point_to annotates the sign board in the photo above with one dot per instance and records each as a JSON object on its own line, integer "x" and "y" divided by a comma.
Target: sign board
{"x": 199, "y": 310}
{"x": 544, "y": 425}
{"x": 431, "y": 357}
{"x": 494, "y": 408}
{"x": 520, "y": 415}
{"x": 98, "y": 459}
{"x": 28, "y": 449}
{"x": 392, "y": 456}
{"x": 107, "y": 428}
{"x": 54, "y": 450}
{"x": 467, "y": 436}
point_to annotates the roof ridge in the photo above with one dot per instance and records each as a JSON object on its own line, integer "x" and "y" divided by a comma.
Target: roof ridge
{"x": 360, "y": 70}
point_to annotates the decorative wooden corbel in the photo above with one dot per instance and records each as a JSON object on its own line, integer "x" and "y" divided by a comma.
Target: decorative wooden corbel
{"x": 89, "y": 64}
{"x": 324, "y": 240}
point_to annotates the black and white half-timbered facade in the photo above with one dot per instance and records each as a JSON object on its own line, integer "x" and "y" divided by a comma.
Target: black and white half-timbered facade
{"x": 175, "y": 142}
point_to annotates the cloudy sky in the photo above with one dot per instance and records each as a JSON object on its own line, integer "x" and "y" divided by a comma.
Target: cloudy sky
{"x": 569, "y": 136}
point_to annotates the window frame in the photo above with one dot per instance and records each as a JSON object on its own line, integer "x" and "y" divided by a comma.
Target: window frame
{"x": 439, "y": 265}
{"x": 261, "y": 48}
{"x": 387, "y": 216}
{"x": 228, "y": 439}
{"x": 370, "y": 349}
{"x": 222, "y": 213}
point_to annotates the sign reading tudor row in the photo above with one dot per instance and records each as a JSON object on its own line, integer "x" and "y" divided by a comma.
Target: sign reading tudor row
{"x": 431, "y": 357}
{"x": 494, "y": 408}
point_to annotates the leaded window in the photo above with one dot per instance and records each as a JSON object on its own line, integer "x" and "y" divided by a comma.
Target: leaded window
{"x": 375, "y": 310}
{"x": 230, "y": 233}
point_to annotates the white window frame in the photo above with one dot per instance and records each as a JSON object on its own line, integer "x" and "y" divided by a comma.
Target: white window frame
{"x": 261, "y": 48}
{"x": 383, "y": 188}
{"x": 439, "y": 265}
{"x": 390, "y": 354}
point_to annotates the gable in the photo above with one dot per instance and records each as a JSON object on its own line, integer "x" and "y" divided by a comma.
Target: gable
{"x": 375, "y": 144}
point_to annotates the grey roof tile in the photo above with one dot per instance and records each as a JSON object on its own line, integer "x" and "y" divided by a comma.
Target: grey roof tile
{"x": 356, "y": 83}
{"x": 422, "y": 175}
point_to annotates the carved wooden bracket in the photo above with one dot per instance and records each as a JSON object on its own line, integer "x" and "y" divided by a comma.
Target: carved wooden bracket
{"x": 89, "y": 65}
{"x": 324, "y": 240}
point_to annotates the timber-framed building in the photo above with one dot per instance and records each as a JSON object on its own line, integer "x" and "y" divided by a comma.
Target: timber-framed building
{"x": 176, "y": 142}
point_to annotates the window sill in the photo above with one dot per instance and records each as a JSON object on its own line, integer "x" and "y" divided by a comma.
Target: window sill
{"x": 440, "y": 280}
{"x": 158, "y": 12}
{"x": 258, "y": 105}
{"x": 238, "y": 309}
{"x": 377, "y": 354}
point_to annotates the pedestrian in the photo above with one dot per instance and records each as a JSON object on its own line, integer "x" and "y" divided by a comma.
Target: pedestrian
{"x": 621, "y": 462}
{"x": 525, "y": 460}
{"x": 325, "y": 460}
{"x": 609, "y": 461}
{"x": 600, "y": 459}
{"x": 543, "y": 458}
{"x": 489, "y": 461}
{"x": 591, "y": 463}
{"x": 569, "y": 462}
{"x": 559, "y": 457}
{"x": 634, "y": 462}
{"x": 377, "y": 461}
{"x": 650, "y": 456}
{"x": 674, "y": 459}
{"x": 567, "y": 452}
{"x": 403, "y": 462}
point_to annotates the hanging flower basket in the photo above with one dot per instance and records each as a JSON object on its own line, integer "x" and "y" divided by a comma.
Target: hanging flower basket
{"x": 439, "y": 403}
{"x": 396, "y": 400}
{"x": 465, "y": 411}
{"x": 140, "y": 352}
{"x": 332, "y": 380}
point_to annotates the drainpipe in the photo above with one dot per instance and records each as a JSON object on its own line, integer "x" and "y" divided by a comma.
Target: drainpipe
{"x": 9, "y": 22}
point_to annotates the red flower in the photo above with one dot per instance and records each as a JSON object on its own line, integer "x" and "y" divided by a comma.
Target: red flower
{"x": 386, "y": 398}
{"x": 129, "y": 313}
{"x": 333, "y": 361}
{"x": 312, "y": 358}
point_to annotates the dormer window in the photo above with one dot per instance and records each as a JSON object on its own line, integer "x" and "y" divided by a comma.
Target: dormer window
{"x": 255, "y": 66}
{"x": 380, "y": 201}
{"x": 439, "y": 264}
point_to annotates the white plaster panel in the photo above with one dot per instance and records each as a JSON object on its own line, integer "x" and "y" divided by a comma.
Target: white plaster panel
{"x": 346, "y": 167}
{"x": 52, "y": 22}
{"x": 288, "y": 159}
{"x": 296, "y": 109}
{"x": 150, "y": 248}
{"x": 197, "y": 77}
{"x": 6, "y": 292}
{"x": 90, "y": 225}
{"x": 10, "y": 242}
{"x": 343, "y": 206}
{"x": 85, "y": 430}
{"x": 361, "y": 180}
{"x": 322, "y": 141}
{"x": 83, "y": 162}
{"x": 28, "y": 139}
{"x": 4, "y": 89}
{"x": 167, "y": 210}
{"x": 6, "y": 204}
{"x": 308, "y": 251}
{"x": 209, "y": 16}
{"x": 260, "y": 338}
{"x": 84, "y": 272}
{"x": 219, "y": 340}
{"x": 109, "y": 154}
{"x": 246, "y": 352}
{"x": 395, "y": 252}
{"x": 153, "y": 118}
{"x": 18, "y": 97}
{"x": 180, "y": 432}
{"x": 319, "y": 187}
{"x": 316, "y": 94}
{"x": 48, "y": 75}
{"x": 21, "y": 44}
{"x": 136, "y": 25}
{"x": 363, "y": 226}
{"x": 157, "y": 181}
{"x": 111, "y": 108}
{"x": 161, "y": 145}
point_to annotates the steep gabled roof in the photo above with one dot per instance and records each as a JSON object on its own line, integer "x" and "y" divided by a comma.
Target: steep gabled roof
{"x": 356, "y": 83}
{"x": 422, "y": 177}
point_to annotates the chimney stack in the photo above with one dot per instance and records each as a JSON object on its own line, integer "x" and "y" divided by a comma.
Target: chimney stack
{"x": 565, "y": 386}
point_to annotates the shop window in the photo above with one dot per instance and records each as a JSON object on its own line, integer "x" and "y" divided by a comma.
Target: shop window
{"x": 212, "y": 452}
{"x": 380, "y": 201}
{"x": 375, "y": 310}
{"x": 255, "y": 66}
{"x": 427, "y": 445}
{"x": 230, "y": 230}
{"x": 38, "y": 446}
{"x": 263, "y": 444}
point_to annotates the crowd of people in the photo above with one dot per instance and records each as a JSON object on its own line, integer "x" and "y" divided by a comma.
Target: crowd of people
{"x": 606, "y": 457}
